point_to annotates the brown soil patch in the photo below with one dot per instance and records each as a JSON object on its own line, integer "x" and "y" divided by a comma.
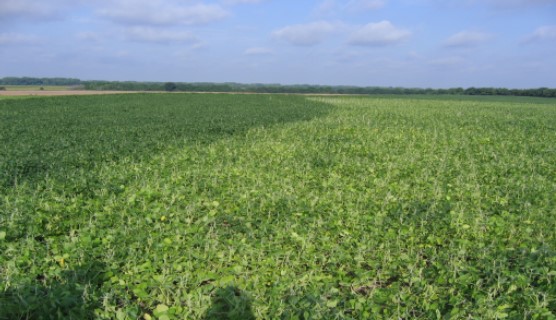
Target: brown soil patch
{"x": 94, "y": 92}
{"x": 59, "y": 93}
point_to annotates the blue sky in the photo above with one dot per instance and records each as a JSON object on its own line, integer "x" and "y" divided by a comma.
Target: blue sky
{"x": 409, "y": 43}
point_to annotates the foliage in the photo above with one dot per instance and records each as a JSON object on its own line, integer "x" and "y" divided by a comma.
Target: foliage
{"x": 305, "y": 89}
{"x": 29, "y": 81}
{"x": 189, "y": 206}
{"x": 60, "y": 136}
{"x": 38, "y": 88}
{"x": 274, "y": 88}
{"x": 170, "y": 86}
{"x": 229, "y": 303}
{"x": 2, "y": 88}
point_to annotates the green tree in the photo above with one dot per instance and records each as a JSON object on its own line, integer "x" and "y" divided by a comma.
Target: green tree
{"x": 170, "y": 86}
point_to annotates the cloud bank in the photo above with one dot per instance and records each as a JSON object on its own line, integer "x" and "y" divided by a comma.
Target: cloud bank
{"x": 305, "y": 34}
{"x": 467, "y": 39}
{"x": 162, "y": 12}
{"x": 381, "y": 33}
{"x": 146, "y": 34}
{"x": 542, "y": 34}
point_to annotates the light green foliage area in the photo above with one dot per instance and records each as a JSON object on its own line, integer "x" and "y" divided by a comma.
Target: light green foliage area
{"x": 277, "y": 207}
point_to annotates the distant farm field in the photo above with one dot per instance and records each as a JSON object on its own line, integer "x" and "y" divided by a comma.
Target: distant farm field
{"x": 222, "y": 206}
{"x": 11, "y": 94}
{"x": 35, "y": 88}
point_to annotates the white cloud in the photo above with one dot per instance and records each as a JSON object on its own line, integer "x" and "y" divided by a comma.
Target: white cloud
{"x": 332, "y": 7}
{"x": 379, "y": 34}
{"x": 162, "y": 12}
{"x": 467, "y": 39}
{"x": 513, "y": 3}
{"x": 305, "y": 34}
{"x": 497, "y": 6}
{"x": 143, "y": 34}
{"x": 326, "y": 7}
{"x": 17, "y": 39}
{"x": 545, "y": 33}
{"x": 13, "y": 9}
{"x": 234, "y": 2}
{"x": 366, "y": 4}
{"x": 258, "y": 51}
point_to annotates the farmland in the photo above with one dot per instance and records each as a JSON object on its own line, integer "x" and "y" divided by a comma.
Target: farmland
{"x": 190, "y": 206}
{"x": 35, "y": 88}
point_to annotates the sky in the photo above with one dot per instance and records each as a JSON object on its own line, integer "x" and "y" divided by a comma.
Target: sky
{"x": 405, "y": 43}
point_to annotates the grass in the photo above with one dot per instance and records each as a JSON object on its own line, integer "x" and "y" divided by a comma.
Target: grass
{"x": 8, "y": 97}
{"x": 238, "y": 206}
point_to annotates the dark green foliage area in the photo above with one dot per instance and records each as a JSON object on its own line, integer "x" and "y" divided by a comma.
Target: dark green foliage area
{"x": 59, "y": 136}
{"x": 29, "y": 81}
{"x": 62, "y": 296}
{"x": 170, "y": 86}
{"x": 229, "y": 303}
{"x": 182, "y": 206}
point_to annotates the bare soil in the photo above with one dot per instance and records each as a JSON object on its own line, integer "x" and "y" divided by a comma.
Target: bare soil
{"x": 59, "y": 92}
{"x": 94, "y": 92}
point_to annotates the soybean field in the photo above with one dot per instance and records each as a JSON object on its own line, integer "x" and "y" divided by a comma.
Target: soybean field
{"x": 234, "y": 206}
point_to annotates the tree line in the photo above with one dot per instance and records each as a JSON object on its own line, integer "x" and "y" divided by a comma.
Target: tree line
{"x": 28, "y": 81}
{"x": 269, "y": 88}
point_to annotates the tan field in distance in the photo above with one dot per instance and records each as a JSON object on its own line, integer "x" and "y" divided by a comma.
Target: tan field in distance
{"x": 58, "y": 92}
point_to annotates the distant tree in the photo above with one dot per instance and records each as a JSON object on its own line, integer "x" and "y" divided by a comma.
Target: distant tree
{"x": 42, "y": 88}
{"x": 2, "y": 88}
{"x": 22, "y": 81}
{"x": 170, "y": 86}
{"x": 265, "y": 88}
